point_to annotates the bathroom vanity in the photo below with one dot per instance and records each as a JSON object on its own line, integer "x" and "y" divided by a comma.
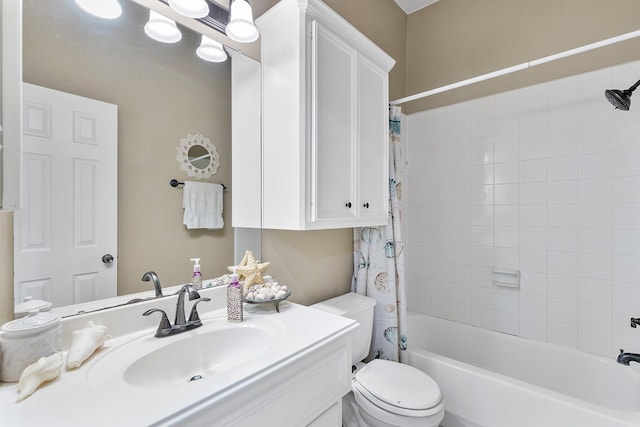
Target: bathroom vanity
{"x": 290, "y": 368}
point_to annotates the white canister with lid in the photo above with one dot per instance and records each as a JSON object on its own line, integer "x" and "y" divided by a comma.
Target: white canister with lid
{"x": 28, "y": 304}
{"x": 23, "y": 341}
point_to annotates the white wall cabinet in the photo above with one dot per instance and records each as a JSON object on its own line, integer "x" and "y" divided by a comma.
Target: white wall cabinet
{"x": 324, "y": 121}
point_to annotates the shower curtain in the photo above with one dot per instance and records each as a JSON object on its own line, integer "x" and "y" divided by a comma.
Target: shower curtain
{"x": 378, "y": 269}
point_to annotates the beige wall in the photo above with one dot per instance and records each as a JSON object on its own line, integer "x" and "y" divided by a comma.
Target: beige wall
{"x": 163, "y": 93}
{"x": 453, "y": 40}
{"x": 316, "y": 265}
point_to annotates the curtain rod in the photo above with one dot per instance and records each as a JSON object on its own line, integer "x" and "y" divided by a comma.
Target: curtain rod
{"x": 519, "y": 67}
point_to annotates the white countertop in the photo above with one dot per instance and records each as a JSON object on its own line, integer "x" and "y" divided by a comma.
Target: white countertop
{"x": 75, "y": 399}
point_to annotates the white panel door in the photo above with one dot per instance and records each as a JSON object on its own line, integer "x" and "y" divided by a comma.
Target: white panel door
{"x": 68, "y": 219}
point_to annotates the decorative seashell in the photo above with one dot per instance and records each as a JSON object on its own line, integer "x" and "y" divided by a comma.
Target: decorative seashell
{"x": 403, "y": 342}
{"x": 370, "y": 235}
{"x": 390, "y": 308}
{"x": 45, "y": 369}
{"x": 379, "y": 354}
{"x": 391, "y": 334}
{"x": 389, "y": 249}
{"x": 393, "y": 188}
{"x": 381, "y": 283}
{"x": 85, "y": 341}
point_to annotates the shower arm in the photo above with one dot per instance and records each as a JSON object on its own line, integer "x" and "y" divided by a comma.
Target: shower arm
{"x": 632, "y": 88}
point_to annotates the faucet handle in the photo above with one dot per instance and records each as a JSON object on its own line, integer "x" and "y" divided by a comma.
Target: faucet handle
{"x": 165, "y": 326}
{"x": 194, "y": 318}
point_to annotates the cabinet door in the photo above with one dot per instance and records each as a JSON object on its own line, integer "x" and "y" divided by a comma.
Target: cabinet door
{"x": 373, "y": 137}
{"x": 333, "y": 128}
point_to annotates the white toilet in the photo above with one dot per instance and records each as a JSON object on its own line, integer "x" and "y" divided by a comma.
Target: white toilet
{"x": 384, "y": 393}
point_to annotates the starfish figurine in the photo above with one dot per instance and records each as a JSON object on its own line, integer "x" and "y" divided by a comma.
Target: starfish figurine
{"x": 250, "y": 269}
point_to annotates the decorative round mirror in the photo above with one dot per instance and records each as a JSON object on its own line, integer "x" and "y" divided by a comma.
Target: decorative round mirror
{"x": 198, "y": 156}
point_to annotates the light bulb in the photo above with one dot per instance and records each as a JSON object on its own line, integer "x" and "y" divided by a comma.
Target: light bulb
{"x": 240, "y": 27}
{"x": 190, "y": 8}
{"x": 162, "y": 29}
{"x": 211, "y": 50}
{"x": 106, "y": 9}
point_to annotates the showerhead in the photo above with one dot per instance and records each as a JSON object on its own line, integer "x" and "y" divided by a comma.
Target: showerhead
{"x": 621, "y": 99}
{"x": 618, "y": 98}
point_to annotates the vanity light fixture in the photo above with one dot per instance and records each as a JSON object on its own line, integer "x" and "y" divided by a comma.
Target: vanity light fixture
{"x": 211, "y": 50}
{"x": 190, "y": 8}
{"x": 241, "y": 27}
{"x": 106, "y": 9}
{"x": 162, "y": 29}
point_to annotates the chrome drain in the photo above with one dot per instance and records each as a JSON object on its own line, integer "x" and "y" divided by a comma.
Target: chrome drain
{"x": 196, "y": 377}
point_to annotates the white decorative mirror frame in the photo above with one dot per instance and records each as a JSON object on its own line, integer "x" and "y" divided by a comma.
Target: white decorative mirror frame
{"x": 193, "y": 153}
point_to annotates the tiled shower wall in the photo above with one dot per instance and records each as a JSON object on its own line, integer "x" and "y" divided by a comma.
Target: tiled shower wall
{"x": 544, "y": 180}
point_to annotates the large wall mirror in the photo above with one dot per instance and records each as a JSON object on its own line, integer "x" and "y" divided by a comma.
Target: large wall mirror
{"x": 162, "y": 92}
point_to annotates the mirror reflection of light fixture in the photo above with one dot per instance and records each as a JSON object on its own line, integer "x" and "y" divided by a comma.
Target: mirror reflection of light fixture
{"x": 211, "y": 50}
{"x": 162, "y": 29}
{"x": 106, "y": 9}
{"x": 190, "y": 8}
{"x": 241, "y": 27}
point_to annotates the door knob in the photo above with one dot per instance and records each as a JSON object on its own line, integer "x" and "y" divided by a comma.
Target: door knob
{"x": 366, "y": 205}
{"x": 107, "y": 258}
{"x": 348, "y": 204}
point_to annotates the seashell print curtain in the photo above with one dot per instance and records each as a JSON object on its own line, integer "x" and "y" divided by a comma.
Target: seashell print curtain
{"x": 379, "y": 265}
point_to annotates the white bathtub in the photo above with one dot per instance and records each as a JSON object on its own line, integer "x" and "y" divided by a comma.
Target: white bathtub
{"x": 491, "y": 379}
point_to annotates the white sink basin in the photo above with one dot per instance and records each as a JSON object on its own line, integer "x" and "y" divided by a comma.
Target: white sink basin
{"x": 197, "y": 357}
{"x": 212, "y": 350}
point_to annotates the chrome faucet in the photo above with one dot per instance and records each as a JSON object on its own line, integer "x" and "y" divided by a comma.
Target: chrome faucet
{"x": 152, "y": 276}
{"x": 181, "y": 324}
{"x": 625, "y": 358}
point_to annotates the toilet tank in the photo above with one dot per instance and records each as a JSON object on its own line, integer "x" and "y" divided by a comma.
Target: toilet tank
{"x": 356, "y": 307}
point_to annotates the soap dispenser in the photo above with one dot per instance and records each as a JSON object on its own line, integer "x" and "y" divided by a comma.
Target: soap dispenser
{"x": 234, "y": 299}
{"x": 196, "y": 278}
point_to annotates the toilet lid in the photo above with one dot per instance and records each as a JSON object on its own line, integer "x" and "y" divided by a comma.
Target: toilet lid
{"x": 399, "y": 385}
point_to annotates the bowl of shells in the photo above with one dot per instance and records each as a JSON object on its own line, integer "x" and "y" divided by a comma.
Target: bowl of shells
{"x": 268, "y": 292}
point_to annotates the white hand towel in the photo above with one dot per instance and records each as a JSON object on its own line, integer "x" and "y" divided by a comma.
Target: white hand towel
{"x": 202, "y": 202}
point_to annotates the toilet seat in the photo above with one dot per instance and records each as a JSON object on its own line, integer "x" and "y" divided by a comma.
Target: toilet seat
{"x": 397, "y": 388}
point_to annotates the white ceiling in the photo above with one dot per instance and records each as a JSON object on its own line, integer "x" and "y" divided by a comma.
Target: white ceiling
{"x": 410, "y": 6}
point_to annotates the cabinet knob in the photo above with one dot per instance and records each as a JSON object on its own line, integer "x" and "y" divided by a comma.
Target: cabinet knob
{"x": 348, "y": 204}
{"x": 366, "y": 205}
